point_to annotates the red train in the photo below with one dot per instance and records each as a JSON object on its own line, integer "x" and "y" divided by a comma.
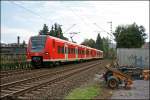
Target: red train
{"x": 47, "y": 49}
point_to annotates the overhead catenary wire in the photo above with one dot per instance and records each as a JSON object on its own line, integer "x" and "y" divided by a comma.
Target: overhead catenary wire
{"x": 70, "y": 28}
{"x": 34, "y": 13}
{"x": 101, "y": 27}
{"x": 77, "y": 15}
{"x": 81, "y": 17}
{"x": 28, "y": 10}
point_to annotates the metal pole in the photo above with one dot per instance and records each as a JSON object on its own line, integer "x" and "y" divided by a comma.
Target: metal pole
{"x": 110, "y": 26}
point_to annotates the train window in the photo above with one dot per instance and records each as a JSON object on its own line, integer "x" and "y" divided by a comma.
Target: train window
{"x": 87, "y": 52}
{"x": 79, "y": 51}
{"x": 59, "y": 50}
{"x": 62, "y": 50}
{"x": 72, "y": 50}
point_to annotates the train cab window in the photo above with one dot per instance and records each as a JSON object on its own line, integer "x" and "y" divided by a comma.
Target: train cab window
{"x": 38, "y": 43}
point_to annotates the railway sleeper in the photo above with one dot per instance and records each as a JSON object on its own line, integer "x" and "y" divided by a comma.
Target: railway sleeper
{"x": 22, "y": 98}
{"x": 28, "y": 95}
{"x": 5, "y": 92}
{"x": 15, "y": 89}
{"x": 35, "y": 92}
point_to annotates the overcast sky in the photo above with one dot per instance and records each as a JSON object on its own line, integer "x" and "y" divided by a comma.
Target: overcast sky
{"x": 26, "y": 18}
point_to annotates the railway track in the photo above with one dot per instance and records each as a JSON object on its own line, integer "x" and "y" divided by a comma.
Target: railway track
{"x": 37, "y": 72}
{"x": 15, "y": 72}
{"x": 4, "y": 74}
{"x": 21, "y": 87}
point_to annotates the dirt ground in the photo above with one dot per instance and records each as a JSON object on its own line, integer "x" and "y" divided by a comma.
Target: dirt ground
{"x": 139, "y": 90}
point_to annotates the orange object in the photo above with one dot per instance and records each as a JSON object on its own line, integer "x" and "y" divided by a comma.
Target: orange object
{"x": 118, "y": 75}
{"x": 146, "y": 74}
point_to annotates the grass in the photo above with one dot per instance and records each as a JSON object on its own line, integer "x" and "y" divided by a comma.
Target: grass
{"x": 87, "y": 92}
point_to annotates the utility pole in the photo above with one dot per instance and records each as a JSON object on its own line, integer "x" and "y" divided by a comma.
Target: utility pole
{"x": 72, "y": 34}
{"x": 18, "y": 40}
{"x": 110, "y": 26}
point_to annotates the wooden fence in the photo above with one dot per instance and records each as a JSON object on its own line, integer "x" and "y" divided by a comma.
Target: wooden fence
{"x": 14, "y": 61}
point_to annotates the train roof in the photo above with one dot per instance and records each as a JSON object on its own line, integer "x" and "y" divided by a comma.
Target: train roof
{"x": 68, "y": 42}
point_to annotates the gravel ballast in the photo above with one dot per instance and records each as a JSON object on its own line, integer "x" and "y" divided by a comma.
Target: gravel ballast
{"x": 60, "y": 89}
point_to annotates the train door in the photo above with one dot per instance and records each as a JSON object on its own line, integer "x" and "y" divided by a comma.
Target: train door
{"x": 85, "y": 53}
{"x": 76, "y": 51}
{"x": 53, "y": 50}
{"x": 66, "y": 52}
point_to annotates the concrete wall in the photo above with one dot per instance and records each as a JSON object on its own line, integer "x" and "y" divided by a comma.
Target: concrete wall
{"x": 138, "y": 57}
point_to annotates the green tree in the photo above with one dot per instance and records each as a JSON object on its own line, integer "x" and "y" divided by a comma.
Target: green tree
{"x": 44, "y": 31}
{"x": 105, "y": 46}
{"x": 89, "y": 42}
{"x": 130, "y": 36}
{"x": 56, "y": 31}
{"x": 52, "y": 33}
{"x": 99, "y": 43}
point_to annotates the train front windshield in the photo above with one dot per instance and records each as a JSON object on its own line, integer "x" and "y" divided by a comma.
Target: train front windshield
{"x": 37, "y": 43}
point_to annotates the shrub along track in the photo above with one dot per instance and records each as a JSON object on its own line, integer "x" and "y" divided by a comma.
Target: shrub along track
{"x": 21, "y": 87}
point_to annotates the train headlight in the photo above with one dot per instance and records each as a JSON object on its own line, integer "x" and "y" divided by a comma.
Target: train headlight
{"x": 46, "y": 53}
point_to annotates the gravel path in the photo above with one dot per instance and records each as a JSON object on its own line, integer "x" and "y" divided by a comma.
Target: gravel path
{"x": 139, "y": 90}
